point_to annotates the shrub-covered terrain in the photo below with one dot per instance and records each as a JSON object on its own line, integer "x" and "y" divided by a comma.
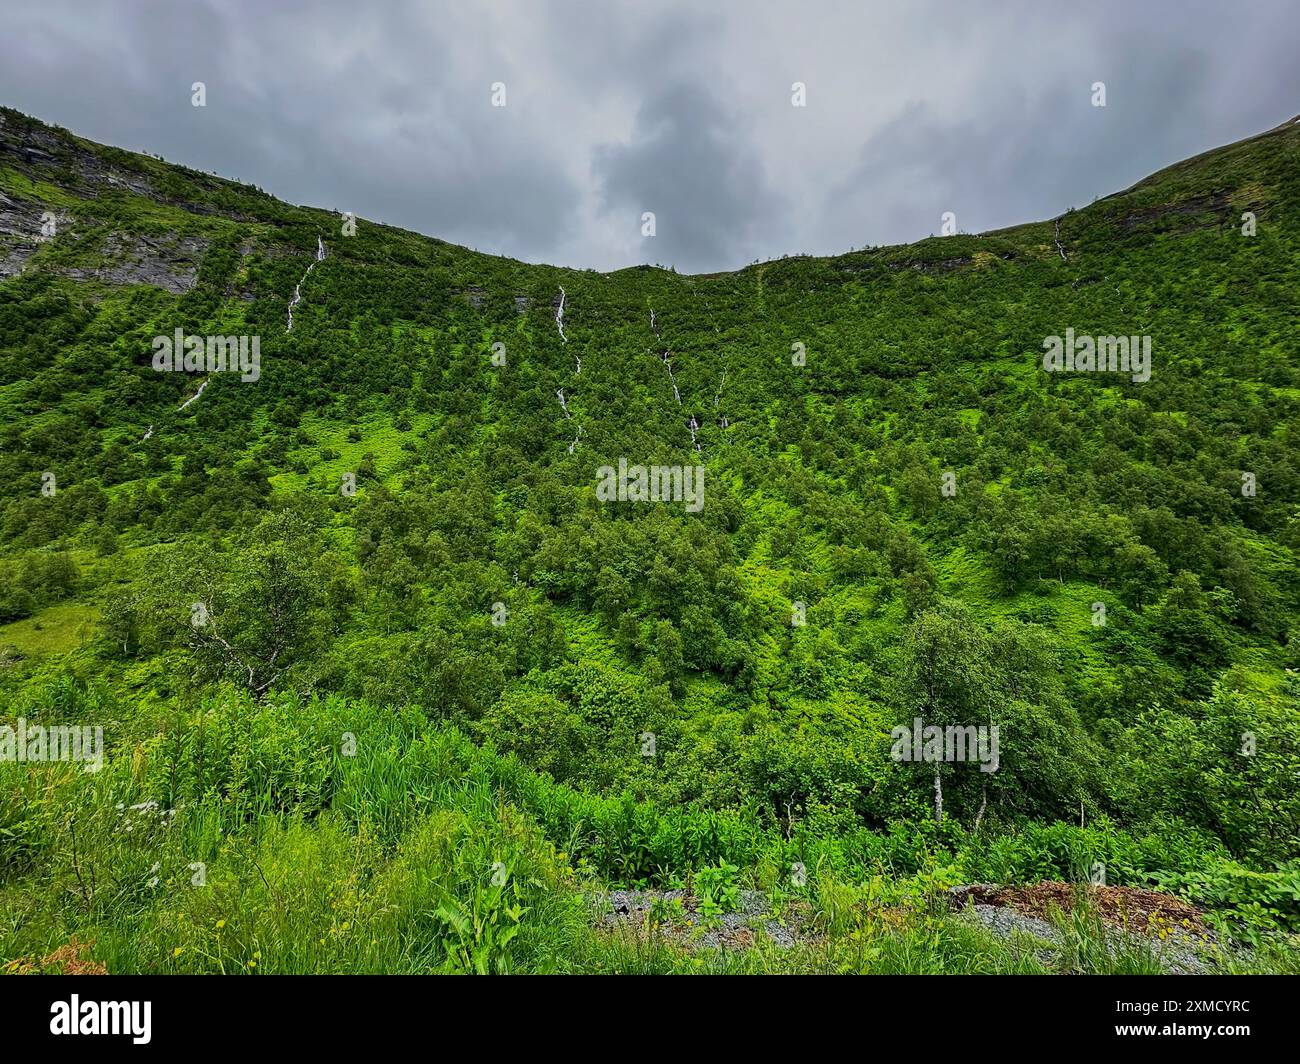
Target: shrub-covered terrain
{"x": 386, "y": 684}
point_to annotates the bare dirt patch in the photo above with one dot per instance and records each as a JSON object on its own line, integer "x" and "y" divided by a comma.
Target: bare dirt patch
{"x": 1129, "y": 908}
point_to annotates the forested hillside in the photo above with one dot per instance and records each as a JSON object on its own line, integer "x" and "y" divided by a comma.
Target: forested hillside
{"x": 380, "y": 663}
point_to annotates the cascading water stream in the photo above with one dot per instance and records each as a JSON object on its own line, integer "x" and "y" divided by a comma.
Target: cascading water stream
{"x": 564, "y": 405}
{"x": 191, "y": 399}
{"x": 297, "y": 289}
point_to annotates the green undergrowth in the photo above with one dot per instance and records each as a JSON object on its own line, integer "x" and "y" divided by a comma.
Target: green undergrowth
{"x": 329, "y": 835}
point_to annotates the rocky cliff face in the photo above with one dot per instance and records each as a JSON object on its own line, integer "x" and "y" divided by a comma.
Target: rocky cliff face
{"x": 57, "y": 215}
{"x": 169, "y": 262}
{"x": 20, "y": 234}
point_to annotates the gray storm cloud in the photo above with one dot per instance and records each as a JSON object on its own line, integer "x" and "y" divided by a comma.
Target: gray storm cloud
{"x": 614, "y": 109}
{"x": 689, "y": 163}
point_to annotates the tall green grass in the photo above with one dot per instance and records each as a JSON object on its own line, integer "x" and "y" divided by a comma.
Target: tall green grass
{"x": 328, "y": 835}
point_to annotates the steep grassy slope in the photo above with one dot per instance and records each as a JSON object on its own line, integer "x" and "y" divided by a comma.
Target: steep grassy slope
{"x": 1103, "y": 567}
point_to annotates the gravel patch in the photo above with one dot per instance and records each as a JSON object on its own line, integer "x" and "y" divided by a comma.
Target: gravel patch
{"x": 732, "y": 930}
{"x": 1002, "y": 910}
{"x": 1178, "y": 953}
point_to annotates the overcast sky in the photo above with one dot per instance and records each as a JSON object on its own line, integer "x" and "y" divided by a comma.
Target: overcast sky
{"x": 914, "y": 108}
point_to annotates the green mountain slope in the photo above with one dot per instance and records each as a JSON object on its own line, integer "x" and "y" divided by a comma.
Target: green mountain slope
{"x": 903, "y": 515}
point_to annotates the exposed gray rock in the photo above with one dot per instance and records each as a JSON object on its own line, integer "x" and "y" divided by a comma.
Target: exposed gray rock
{"x": 1178, "y": 954}
{"x": 21, "y": 236}
{"x": 170, "y": 262}
{"x": 38, "y": 151}
{"x": 733, "y": 930}
{"x": 46, "y": 154}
